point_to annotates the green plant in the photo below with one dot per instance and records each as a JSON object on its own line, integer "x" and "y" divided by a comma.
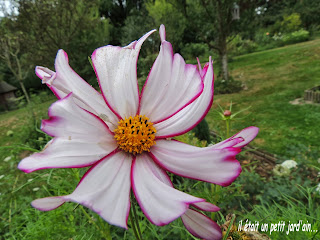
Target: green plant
{"x": 295, "y": 37}
{"x": 305, "y": 211}
{"x": 238, "y": 45}
{"x": 202, "y": 132}
{"x": 193, "y": 50}
{"x": 144, "y": 66}
{"x": 222, "y": 86}
{"x": 290, "y": 23}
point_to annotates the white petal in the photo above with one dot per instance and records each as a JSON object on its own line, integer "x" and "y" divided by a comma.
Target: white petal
{"x": 63, "y": 153}
{"x": 191, "y": 115}
{"x": 159, "y": 202}
{"x": 66, "y": 80}
{"x": 80, "y": 140}
{"x": 217, "y": 166}
{"x": 48, "y": 203}
{"x": 171, "y": 85}
{"x": 162, "y": 32}
{"x": 201, "y": 226}
{"x": 116, "y": 70}
{"x": 206, "y": 206}
{"x": 69, "y": 121}
{"x": 105, "y": 189}
{"x": 240, "y": 139}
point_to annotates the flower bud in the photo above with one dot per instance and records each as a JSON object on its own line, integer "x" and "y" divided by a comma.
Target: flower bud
{"x": 227, "y": 113}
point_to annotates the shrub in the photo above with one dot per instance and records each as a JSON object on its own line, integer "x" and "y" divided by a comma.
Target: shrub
{"x": 193, "y": 50}
{"x": 238, "y": 46}
{"x": 222, "y": 86}
{"x": 267, "y": 40}
{"x": 291, "y": 23}
{"x": 40, "y": 97}
{"x": 145, "y": 64}
{"x": 202, "y": 131}
{"x": 295, "y": 37}
{"x": 264, "y": 40}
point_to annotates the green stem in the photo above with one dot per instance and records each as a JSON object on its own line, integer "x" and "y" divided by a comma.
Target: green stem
{"x": 213, "y": 192}
{"x": 215, "y": 189}
{"x": 96, "y": 225}
{"x": 136, "y": 219}
{"x": 133, "y": 225}
{"x": 228, "y": 128}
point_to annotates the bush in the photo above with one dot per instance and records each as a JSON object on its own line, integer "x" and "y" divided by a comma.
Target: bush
{"x": 42, "y": 96}
{"x": 222, "y": 86}
{"x": 266, "y": 41}
{"x": 295, "y": 37}
{"x": 145, "y": 64}
{"x": 202, "y": 131}
{"x": 193, "y": 50}
{"x": 238, "y": 46}
{"x": 291, "y": 23}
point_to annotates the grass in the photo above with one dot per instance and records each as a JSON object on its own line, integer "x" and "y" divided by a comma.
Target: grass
{"x": 17, "y": 120}
{"x": 273, "y": 79}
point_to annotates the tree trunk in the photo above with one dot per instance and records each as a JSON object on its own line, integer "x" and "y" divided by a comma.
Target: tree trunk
{"x": 224, "y": 66}
{"x": 24, "y": 91}
{"x": 223, "y": 54}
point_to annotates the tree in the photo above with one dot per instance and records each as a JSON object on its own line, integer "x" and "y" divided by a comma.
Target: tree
{"x": 45, "y": 26}
{"x": 212, "y": 21}
{"x": 11, "y": 55}
{"x": 49, "y": 25}
{"x": 117, "y": 11}
{"x": 166, "y": 12}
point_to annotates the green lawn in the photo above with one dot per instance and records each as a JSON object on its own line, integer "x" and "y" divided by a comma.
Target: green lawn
{"x": 274, "y": 78}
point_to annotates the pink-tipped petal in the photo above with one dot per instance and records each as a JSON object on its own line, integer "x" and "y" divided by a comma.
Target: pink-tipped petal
{"x": 63, "y": 153}
{"x": 45, "y": 74}
{"x": 171, "y": 85}
{"x": 200, "y": 68}
{"x": 201, "y": 226}
{"x": 160, "y": 202}
{"x": 105, "y": 189}
{"x": 217, "y": 166}
{"x": 66, "y": 80}
{"x": 116, "y": 68}
{"x": 206, "y": 206}
{"x": 69, "y": 121}
{"x": 48, "y": 203}
{"x": 239, "y": 140}
{"x": 162, "y": 32}
{"x": 191, "y": 115}
{"x": 80, "y": 140}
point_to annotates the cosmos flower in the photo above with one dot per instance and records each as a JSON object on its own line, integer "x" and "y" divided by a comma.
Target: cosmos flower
{"x": 126, "y": 137}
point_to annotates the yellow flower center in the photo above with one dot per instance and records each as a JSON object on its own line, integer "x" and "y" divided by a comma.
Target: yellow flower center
{"x": 135, "y": 134}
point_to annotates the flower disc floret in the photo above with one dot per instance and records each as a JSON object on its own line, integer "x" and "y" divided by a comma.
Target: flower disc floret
{"x": 135, "y": 134}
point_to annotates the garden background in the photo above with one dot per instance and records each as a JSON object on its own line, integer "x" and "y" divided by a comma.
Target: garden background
{"x": 266, "y": 55}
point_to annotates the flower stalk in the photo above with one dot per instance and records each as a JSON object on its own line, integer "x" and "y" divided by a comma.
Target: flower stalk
{"x": 133, "y": 225}
{"x": 134, "y": 219}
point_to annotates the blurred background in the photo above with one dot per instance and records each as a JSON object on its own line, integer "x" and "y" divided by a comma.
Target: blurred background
{"x": 32, "y": 32}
